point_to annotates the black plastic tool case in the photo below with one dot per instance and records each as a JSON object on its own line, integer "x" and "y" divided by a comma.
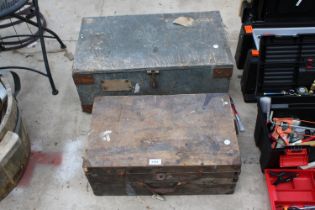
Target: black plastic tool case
{"x": 244, "y": 45}
{"x": 271, "y": 14}
{"x": 298, "y": 107}
{"x": 283, "y": 63}
{"x": 278, "y": 11}
{"x": 246, "y": 41}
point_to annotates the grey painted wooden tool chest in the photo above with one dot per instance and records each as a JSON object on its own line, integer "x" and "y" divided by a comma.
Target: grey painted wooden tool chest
{"x": 169, "y": 145}
{"x": 151, "y": 55}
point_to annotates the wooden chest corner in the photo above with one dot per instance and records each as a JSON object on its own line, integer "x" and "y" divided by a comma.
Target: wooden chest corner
{"x": 83, "y": 79}
{"x": 223, "y": 73}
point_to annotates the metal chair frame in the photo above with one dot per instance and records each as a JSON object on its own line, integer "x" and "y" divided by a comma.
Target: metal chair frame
{"x": 23, "y": 11}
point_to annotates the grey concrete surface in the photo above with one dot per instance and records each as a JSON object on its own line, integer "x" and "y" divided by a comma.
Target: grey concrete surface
{"x": 56, "y": 124}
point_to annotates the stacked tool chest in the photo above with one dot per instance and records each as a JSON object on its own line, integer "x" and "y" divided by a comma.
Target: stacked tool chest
{"x": 281, "y": 65}
{"x": 162, "y": 121}
{"x": 288, "y": 167}
{"x": 276, "y": 41}
{"x": 278, "y": 12}
{"x": 276, "y": 51}
{"x": 151, "y": 55}
{"x": 151, "y": 145}
{"x": 297, "y": 107}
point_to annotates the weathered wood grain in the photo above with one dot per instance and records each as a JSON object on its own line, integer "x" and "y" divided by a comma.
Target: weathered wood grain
{"x": 181, "y": 130}
{"x": 153, "y": 41}
{"x": 187, "y": 133}
{"x": 185, "y": 60}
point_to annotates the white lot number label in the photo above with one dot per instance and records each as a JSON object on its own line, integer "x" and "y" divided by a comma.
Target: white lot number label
{"x": 155, "y": 162}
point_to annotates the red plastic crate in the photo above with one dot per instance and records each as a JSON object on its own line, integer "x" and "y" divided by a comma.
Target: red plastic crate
{"x": 294, "y": 158}
{"x": 300, "y": 192}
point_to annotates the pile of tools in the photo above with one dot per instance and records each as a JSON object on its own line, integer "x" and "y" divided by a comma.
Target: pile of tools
{"x": 290, "y": 131}
{"x": 276, "y": 52}
{"x": 285, "y": 135}
{"x": 300, "y": 91}
{"x": 287, "y": 131}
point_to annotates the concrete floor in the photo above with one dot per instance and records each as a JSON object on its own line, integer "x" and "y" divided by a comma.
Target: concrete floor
{"x": 58, "y": 128}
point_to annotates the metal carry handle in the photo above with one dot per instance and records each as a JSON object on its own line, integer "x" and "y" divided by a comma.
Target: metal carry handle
{"x": 163, "y": 190}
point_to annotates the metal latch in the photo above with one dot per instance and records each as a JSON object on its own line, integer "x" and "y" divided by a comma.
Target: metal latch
{"x": 153, "y": 78}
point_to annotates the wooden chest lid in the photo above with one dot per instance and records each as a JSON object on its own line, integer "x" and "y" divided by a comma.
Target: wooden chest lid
{"x": 176, "y": 130}
{"x": 153, "y": 41}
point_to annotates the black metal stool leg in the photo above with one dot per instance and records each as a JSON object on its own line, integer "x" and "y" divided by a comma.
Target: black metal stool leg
{"x": 42, "y": 42}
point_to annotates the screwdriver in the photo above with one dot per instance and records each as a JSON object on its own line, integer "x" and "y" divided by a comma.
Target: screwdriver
{"x": 239, "y": 123}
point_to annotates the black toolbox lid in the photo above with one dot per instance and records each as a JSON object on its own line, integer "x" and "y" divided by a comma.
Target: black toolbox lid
{"x": 278, "y": 12}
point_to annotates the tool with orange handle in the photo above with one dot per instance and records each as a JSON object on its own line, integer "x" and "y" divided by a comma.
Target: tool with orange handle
{"x": 284, "y": 128}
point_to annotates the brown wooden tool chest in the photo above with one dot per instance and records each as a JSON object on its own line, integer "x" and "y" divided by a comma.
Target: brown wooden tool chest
{"x": 169, "y": 145}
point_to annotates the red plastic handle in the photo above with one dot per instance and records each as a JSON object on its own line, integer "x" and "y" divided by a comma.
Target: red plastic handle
{"x": 294, "y": 158}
